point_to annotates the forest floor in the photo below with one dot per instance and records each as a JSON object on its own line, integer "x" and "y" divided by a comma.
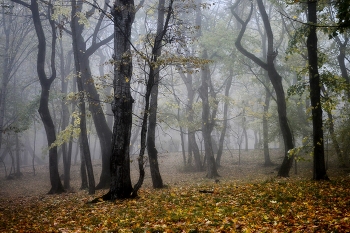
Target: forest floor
{"x": 247, "y": 198}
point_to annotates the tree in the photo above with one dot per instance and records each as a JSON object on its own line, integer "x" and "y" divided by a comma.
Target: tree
{"x": 123, "y": 15}
{"x": 207, "y": 120}
{"x": 274, "y": 77}
{"x": 319, "y": 168}
{"x": 15, "y": 50}
{"x": 225, "y": 123}
{"x": 45, "y": 82}
{"x": 77, "y": 50}
{"x": 152, "y": 90}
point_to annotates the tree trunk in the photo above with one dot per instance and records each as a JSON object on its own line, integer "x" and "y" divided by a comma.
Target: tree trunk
{"x": 224, "y": 126}
{"x": 18, "y": 157}
{"x": 78, "y": 48}
{"x": 319, "y": 168}
{"x": 83, "y": 175}
{"x": 103, "y": 131}
{"x": 266, "y": 129}
{"x": 162, "y": 26}
{"x": 206, "y": 121}
{"x": 66, "y": 153}
{"x": 120, "y": 187}
{"x": 44, "y": 112}
{"x": 275, "y": 79}
{"x": 341, "y": 59}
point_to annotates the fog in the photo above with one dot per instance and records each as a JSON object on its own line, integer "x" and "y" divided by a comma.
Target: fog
{"x": 212, "y": 97}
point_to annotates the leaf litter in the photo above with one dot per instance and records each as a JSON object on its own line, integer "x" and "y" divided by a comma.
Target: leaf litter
{"x": 266, "y": 204}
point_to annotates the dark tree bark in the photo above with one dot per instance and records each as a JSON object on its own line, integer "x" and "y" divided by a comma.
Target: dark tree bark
{"x": 45, "y": 82}
{"x": 319, "y": 169}
{"x": 123, "y": 14}
{"x": 83, "y": 173}
{"x": 104, "y": 133}
{"x": 162, "y": 26}
{"x": 275, "y": 79}
{"x": 78, "y": 48}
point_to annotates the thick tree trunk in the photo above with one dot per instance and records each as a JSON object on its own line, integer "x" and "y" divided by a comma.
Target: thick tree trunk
{"x": 319, "y": 169}
{"x": 120, "y": 187}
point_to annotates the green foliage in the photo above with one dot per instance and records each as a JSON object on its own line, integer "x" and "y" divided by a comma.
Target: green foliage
{"x": 71, "y": 131}
{"x": 297, "y": 39}
{"x": 304, "y": 152}
{"x": 343, "y": 16}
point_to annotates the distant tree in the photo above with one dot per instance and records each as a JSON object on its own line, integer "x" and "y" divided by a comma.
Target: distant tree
{"x": 15, "y": 49}
{"x": 225, "y": 123}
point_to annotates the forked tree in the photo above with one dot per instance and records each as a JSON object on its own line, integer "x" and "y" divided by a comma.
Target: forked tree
{"x": 274, "y": 77}
{"x": 45, "y": 82}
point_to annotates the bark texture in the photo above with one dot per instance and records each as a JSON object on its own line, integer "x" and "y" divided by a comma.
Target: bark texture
{"x": 319, "y": 168}
{"x": 123, "y": 15}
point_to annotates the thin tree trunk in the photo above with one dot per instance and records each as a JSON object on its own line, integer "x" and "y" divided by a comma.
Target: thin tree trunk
{"x": 206, "y": 121}
{"x": 275, "y": 79}
{"x": 83, "y": 174}
{"x": 162, "y": 26}
{"x": 266, "y": 129}
{"x": 45, "y": 82}
{"x": 225, "y": 123}
{"x": 65, "y": 116}
{"x": 18, "y": 157}
{"x": 77, "y": 50}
